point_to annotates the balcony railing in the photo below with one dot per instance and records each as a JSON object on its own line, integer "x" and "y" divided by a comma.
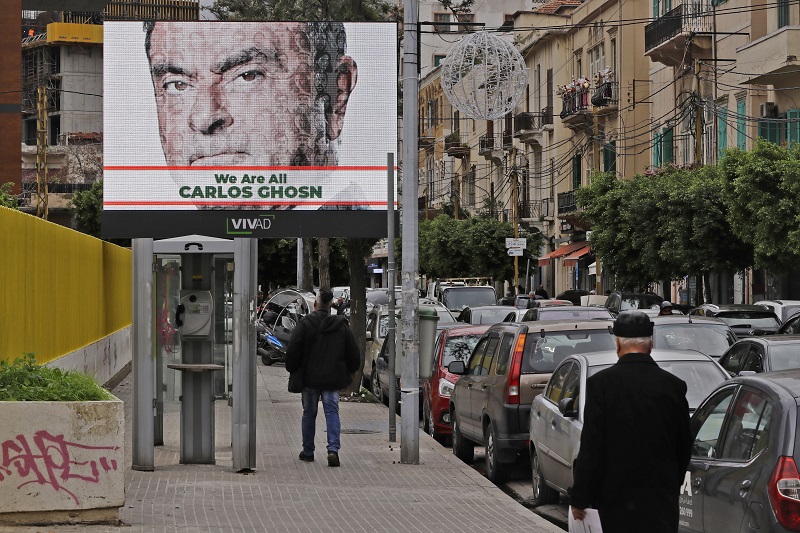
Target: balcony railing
{"x": 528, "y": 122}
{"x": 606, "y": 94}
{"x": 536, "y": 209}
{"x": 566, "y": 202}
{"x": 574, "y": 102}
{"x": 497, "y": 141}
{"x": 686, "y": 18}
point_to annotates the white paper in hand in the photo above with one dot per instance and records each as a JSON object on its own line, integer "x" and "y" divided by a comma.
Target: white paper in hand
{"x": 590, "y": 524}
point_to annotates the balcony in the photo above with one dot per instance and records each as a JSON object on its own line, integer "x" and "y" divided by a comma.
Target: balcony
{"x": 491, "y": 147}
{"x": 666, "y": 39}
{"x": 606, "y": 97}
{"x": 566, "y": 202}
{"x": 536, "y": 210}
{"x": 773, "y": 58}
{"x": 575, "y": 111}
{"x": 530, "y": 127}
{"x": 454, "y": 147}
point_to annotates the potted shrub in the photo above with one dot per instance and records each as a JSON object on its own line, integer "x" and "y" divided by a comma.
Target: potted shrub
{"x": 452, "y": 140}
{"x": 62, "y": 439}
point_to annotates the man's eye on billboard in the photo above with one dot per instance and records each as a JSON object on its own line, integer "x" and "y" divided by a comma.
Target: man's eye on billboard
{"x": 248, "y": 114}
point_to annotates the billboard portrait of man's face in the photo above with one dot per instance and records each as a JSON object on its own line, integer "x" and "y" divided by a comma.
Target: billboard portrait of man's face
{"x": 230, "y": 97}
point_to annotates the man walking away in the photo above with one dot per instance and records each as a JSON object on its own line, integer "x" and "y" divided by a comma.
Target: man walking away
{"x": 635, "y": 444}
{"x": 324, "y": 348}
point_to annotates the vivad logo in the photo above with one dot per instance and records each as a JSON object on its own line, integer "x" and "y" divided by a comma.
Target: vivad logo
{"x": 247, "y": 225}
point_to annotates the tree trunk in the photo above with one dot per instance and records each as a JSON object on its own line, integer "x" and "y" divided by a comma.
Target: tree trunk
{"x": 308, "y": 264}
{"x": 324, "y": 251}
{"x": 358, "y": 305}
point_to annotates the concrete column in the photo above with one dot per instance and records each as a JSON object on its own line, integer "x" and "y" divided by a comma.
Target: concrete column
{"x": 143, "y": 356}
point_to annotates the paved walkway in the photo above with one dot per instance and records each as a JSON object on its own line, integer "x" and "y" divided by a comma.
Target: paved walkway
{"x": 371, "y": 491}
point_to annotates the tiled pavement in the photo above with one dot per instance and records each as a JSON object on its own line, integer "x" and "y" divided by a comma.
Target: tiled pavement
{"x": 370, "y": 492}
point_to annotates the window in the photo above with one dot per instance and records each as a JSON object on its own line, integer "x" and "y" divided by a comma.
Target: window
{"x": 610, "y": 157}
{"x": 437, "y": 59}
{"x": 572, "y": 385}
{"x": 732, "y": 362}
{"x": 747, "y": 427}
{"x": 576, "y": 172}
{"x": 771, "y": 130}
{"x": 657, "y": 158}
{"x": 793, "y": 126}
{"x": 614, "y": 55}
{"x": 550, "y": 90}
{"x": 722, "y": 131}
{"x": 470, "y": 178}
{"x": 741, "y": 125}
{"x": 557, "y": 382}
{"x": 474, "y": 365}
{"x": 456, "y": 122}
{"x": 488, "y": 357}
{"x": 466, "y": 20}
{"x": 441, "y": 22}
{"x": 667, "y": 146}
{"x": 508, "y": 21}
{"x": 754, "y": 361}
{"x": 504, "y": 354}
{"x": 783, "y": 13}
{"x": 707, "y": 424}
{"x": 598, "y": 59}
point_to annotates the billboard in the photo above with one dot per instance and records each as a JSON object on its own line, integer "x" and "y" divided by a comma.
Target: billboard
{"x": 248, "y": 129}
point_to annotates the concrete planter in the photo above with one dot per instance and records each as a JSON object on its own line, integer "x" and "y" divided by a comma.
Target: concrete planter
{"x": 61, "y": 462}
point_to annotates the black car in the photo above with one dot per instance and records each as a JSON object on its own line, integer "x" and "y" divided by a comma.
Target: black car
{"x": 573, "y": 295}
{"x": 627, "y": 301}
{"x": 762, "y": 354}
{"x": 743, "y": 474}
{"x": 707, "y": 335}
{"x": 744, "y": 320}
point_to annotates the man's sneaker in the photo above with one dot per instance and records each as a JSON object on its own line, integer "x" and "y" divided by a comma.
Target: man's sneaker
{"x": 333, "y": 459}
{"x": 308, "y": 458}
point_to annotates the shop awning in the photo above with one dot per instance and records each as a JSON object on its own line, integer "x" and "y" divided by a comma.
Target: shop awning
{"x": 562, "y": 251}
{"x": 572, "y": 259}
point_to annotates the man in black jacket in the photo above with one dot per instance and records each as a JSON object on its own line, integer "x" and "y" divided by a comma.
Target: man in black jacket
{"x": 635, "y": 443}
{"x": 324, "y": 348}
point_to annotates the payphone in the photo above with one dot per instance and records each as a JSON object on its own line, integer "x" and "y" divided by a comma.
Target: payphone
{"x": 194, "y": 314}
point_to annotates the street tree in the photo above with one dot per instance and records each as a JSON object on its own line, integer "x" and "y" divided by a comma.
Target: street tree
{"x": 87, "y": 208}
{"x": 6, "y": 198}
{"x": 762, "y": 188}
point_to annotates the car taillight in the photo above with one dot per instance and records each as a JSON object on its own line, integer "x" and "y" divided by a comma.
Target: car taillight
{"x": 514, "y": 370}
{"x": 784, "y": 493}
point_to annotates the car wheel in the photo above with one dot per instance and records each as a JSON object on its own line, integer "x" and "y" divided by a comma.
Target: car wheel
{"x": 376, "y": 388}
{"x": 462, "y": 448}
{"x": 265, "y": 358}
{"x": 542, "y": 494}
{"x": 496, "y": 471}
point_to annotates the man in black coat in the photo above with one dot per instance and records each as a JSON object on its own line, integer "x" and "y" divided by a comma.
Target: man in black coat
{"x": 324, "y": 348}
{"x": 635, "y": 443}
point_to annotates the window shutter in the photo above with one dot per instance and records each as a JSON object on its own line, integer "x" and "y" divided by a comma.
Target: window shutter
{"x": 793, "y": 126}
{"x": 610, "y": 157}
{"x": 667, "y": 149}
{"x": 741, "y": 125}
{"x": 576, "y": 172}
{"x": 722, "y": 131}
{"x": 657, "y": 150}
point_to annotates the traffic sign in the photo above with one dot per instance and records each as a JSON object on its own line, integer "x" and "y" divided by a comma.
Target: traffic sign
{"x": 516, "y": 243}
{"x": 516, "y": 252}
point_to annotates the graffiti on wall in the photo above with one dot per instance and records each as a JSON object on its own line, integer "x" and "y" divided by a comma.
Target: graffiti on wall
{"x": 51, "y": 460}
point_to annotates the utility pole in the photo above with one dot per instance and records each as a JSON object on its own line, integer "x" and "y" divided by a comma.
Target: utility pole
{"x": 456, "y": 194}
{"x": 598, "y": 279}
{"x": 392, "y": 330}
{"x": 514, "y": 209}
{"x": 41, "y": 151}
{"x": 409, "y": 379}
{"x": 698, "y": 117}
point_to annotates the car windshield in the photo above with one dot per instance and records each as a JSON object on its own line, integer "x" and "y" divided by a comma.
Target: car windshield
{"x": 542, "y": 354}
{"x": 459, "y": 348}
{"x": 639, "y": 301}
{"x": 701, "y": 377}
{"x": 752, "y": 319}
{"x": 710, "y": 339}
{"x": 554, "y": 313}
{"x": 489, "y": 316}
{"x": 461, "y": 297}
{"x": 784, "y": 356}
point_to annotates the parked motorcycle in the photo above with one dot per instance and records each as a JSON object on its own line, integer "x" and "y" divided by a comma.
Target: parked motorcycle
{"x": 278, "y": 317}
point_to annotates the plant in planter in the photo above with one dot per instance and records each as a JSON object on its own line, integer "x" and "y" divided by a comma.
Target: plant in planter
{"x": 452, "y": 140}
{"x": 62, "y": 437}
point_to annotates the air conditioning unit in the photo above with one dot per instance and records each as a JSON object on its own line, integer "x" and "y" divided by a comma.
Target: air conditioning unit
{"x": 769, "y": 110}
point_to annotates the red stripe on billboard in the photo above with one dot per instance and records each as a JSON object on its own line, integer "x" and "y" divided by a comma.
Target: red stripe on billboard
{"x": 147, "y": 202}
{"x": 248, "y": 168}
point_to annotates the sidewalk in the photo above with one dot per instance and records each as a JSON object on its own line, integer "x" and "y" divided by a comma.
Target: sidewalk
{"x": 370, "y": 492}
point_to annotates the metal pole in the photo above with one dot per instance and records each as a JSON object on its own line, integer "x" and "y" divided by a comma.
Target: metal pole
{"x": 409, "y": 382}
{"x": 243, "y": 412}
{"x": 143, "y": 455}
{"x": 390, "y": 337}
{"x": 299, "y": 262}
{"x": 698, "y": 118}
{"x": 514, "y": 213}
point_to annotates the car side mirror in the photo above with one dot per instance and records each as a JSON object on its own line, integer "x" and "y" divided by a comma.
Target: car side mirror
{"x": 457, "y": 367}
{"x": 567, "y": 407}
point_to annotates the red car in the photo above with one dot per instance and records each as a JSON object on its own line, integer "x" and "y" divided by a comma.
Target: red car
{"x": 452, "y": 344}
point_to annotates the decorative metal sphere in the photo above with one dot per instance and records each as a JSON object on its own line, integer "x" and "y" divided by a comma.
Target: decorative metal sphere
{"x": 484, "y": 77}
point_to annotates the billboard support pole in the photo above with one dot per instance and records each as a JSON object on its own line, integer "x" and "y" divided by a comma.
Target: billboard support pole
{"x": 143, "y": 456}
{"x": 390, "y": 277}
{"x": 409, "y": 380}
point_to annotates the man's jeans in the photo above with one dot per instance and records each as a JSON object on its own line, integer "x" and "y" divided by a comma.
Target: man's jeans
{"x": 330, "y": 405}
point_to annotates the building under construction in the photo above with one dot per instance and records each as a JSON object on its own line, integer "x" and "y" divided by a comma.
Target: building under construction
{"x": 62, "y": 86}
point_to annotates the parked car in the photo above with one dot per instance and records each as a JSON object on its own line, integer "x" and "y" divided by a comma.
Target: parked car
{"x": 743, "y": 473}
{"x": 521, "y": 301}
{"x": 452, "y": 344}
{"x": 626, "y": 301}
{"x": 515, "y": 315}
{"x": 791, "y": 326}
{"x": 485, "y": 314}
{"x": 573, "y": 295}
{"x": 548, "y": 303}
{"x": 762, "y": 354}
{"x": 491, "y": 402}
{"x": 377, "y": 328}
{"x": 782, "y": 308}
{"x": 744, "y": 320}
{"x": 566, "y": 312}
{"x": 707, "y": 335}
{"x": 457, "y": 297}
{"x": 557, "y": 415}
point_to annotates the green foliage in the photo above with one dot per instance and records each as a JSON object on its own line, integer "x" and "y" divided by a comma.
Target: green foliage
{"x": 762, "y": 188}
{"x": 662, "y": 226}
{"x": 87, "y": 208}
{"x": 6, "y": 198}
{"x": 23, "y": 380}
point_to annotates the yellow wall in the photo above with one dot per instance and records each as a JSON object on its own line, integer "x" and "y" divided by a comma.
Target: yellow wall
{"x": 59, "y": 289}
